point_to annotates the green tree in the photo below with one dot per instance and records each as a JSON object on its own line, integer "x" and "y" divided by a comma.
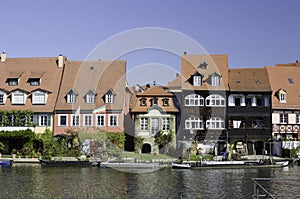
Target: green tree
{"x": 163, "y": 139}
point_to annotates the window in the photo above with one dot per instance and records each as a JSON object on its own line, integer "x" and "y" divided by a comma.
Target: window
{"x": 90, "y": 98}
{"x": 215, "y": 80}
{"x": 34, "y": 81}
{"x": 283, "y": 118}
{"x": 197, "y": 81}
{"x": 143, "y": 102}
{"x": 215, "y": 123}
{"x": 166, "y": 102}
{"x": 215, "y": 100}
{"x": 38, "y": 97}
{"x": 144, "y": 124}
{"x": 109, "y": 98}
{"x": 71, "y": 98}
{"x": 194, "y": 100}
{"x": 203, "y": 65}
{"x": 165, "y": 124}
{"x": 2, "y": 98}
{"x": 298, "y": 118}
{"x": 12, "y": 81}
{"x": 154, "y": 125}
{"x": 62, "y": 120}
{"x": 194, "y": 123}
{"x": 88, "y": 120}
{"x": 44, "y": 120}
{"x": 113, "y": 120}
{"x": 100, "y": 119}
{"x": 153, "y": 101}
{"x": 18, "y": 97}
{"x": 282, "y": 97}
{"x": 291, "y": 80}
{"x": 75, "y": 120}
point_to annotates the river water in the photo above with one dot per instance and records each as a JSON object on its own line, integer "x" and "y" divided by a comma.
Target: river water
{"x": 35, "y": 181}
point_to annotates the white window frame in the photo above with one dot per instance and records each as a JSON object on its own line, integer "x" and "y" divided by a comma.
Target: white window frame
{"x": 165, "y": 123}
{"x": 215, "y": 123}
{"x": 44, "y": 120}
{"x": 144, "y": 124}
{"x": 39, "y": 97}
{"x": 101, "y": 116}
{"x": 18, "y": 97}
{"x": 197, "y": 80}
{"x": 194, "y": 123}
{"x": 71, "y": 98}
{"x": 75, "y": 120}
{"x": 109, "y": 98}
{"x": 298, "y": 119}
{"x": 283, "y": 118}
{"x": 215, "y": 80}
{"x": 282, "y": 97}
{"x": 115, "y": 120}
{"x": 143, "y": 102}
{"x": 165, "y": 102}
{"x": 215, "y": 100}
{"x": 59, "y": 120}
{"x": 88, "y": 120}
{"x": 3, "y": 98}
{"x": 194, "y": 100}
{"x": 90, "y": 98}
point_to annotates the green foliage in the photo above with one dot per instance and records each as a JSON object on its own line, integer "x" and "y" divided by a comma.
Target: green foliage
{"x": 162, "y": 138}
{"x": 1, "y": 146}
{"x": 138, "y": 142}
{"x": 194, "y": 158}
{"x": 16, "y": 118}
{"x": 117, "y": 139}
{"x": 21, "y": 134}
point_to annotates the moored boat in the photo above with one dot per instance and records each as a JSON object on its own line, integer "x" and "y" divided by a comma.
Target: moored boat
{"x": 180, "y": 166}
{"x": 68, "y": 162}
{"x": 6, "y": 163}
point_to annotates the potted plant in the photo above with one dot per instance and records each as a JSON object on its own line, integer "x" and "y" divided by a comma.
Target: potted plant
{"x": 14, "y": 153}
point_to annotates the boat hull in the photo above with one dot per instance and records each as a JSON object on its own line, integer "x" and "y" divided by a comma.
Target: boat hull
{"x": 67, "y": 163}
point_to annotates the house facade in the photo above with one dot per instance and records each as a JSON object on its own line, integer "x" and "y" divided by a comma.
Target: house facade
{"x": 202, "y": 99}
{"x": 28, "y": 92}
{"x": 249, "y": 109}
{"x": 154, "y": 112}
{"x": 285, "y": 84}
{"x": 92, "y": 97}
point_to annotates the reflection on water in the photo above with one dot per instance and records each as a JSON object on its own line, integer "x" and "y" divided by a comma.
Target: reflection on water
{"x": 73, "y": 182}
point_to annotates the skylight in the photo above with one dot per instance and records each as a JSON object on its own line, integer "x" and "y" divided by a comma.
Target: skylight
{"x": 291, "y": 81}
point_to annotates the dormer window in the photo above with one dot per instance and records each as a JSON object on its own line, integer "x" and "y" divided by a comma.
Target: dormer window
{"x": 18, "y": 97}
{"x": 90, "y": 97}
{"x": 281, "y": 96}
{"x": 197, "y": 80}
{"x": 143, "y": 102}
{"x": 12, "y": 81}
{"x": 203, "y": 65}
{"x": 109, "y": 97}
{"x": 39, "y": 97}
{"x": 165, "y": 102}
{"x": 34, "y": 81}
{"x": 215, "y": 80}
{"x": 71, "y": 96}
{"x": 3, "y": 96}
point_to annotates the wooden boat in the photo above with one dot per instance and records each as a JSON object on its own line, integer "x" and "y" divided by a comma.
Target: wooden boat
{"x": 5, "y": 163}
{"x": 180, "y": 166}
{"x": 68, "y": 162}
{"x": 129, "y": 165}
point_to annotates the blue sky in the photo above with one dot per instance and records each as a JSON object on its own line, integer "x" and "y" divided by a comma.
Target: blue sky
{"x": 252, "y": 33}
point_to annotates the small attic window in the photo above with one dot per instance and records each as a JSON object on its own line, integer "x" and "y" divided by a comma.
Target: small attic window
{"x": 238, "y": 82}
{"x": 34, "y": 81}
{"x": 92, "y": 68}
{"x": 203, "y": 65}
{"x": 257, "y": 81}
{"x": 12, "y": 81}
{"x": 291, "y": 80}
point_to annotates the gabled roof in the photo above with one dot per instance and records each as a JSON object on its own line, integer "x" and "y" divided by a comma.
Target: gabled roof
{"x": 27, "y": 68}
{"x": 101, "y": 76}
{"x": 280, "y": 77}
{"x": 214, "y": 64}
{"x": 155, "y": 91}
{"x": 249, "y": 79}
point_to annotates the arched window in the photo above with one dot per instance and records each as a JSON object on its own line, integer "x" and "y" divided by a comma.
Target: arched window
{"x": 215, "y": 100}
{"x": 215, "y": 123}
{"x": 194, "y": 100}
{"x": 194, "y": 123}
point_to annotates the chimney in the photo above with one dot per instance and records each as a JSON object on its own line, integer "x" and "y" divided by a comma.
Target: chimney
{"x": 3, "y": 57}
{"x": 61, "y": 61}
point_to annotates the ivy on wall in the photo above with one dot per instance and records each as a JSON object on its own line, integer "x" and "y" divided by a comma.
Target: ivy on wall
{"x": 16, "y": 118}
{"x": 19, "y": 134}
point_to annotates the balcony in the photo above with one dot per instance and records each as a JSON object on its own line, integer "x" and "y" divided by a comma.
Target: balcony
{"x": 249, "y": 110}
